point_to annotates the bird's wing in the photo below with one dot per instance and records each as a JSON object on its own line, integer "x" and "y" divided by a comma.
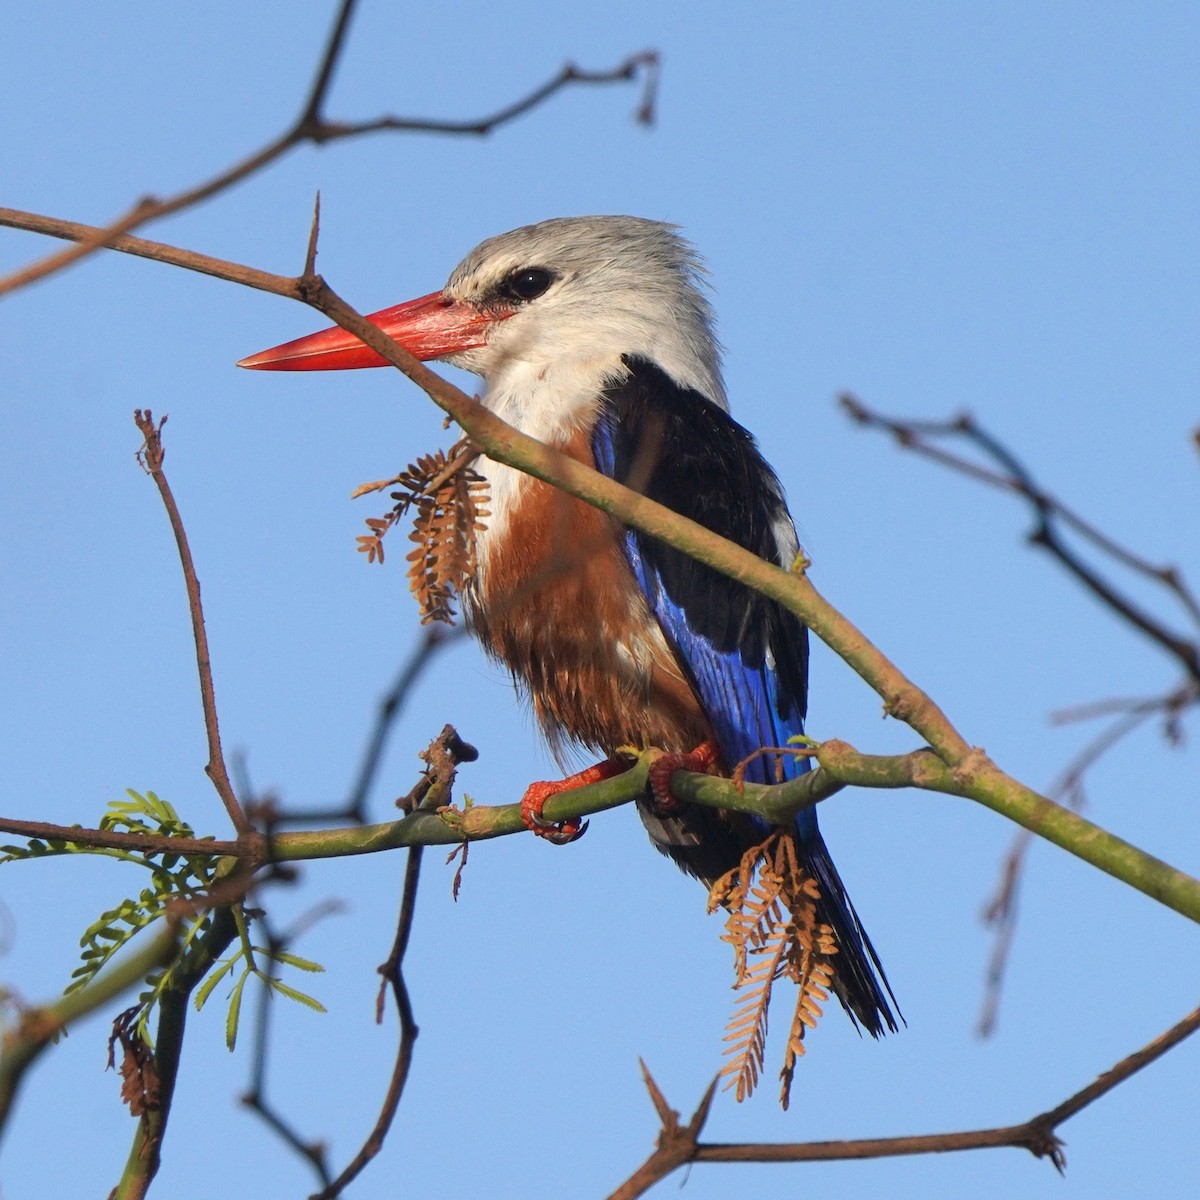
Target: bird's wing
{"x": 747, "y": 657}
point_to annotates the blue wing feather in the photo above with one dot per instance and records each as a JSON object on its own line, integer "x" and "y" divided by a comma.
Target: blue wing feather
{"x": 741, "y": 701}
{"x": 747, "y": 657}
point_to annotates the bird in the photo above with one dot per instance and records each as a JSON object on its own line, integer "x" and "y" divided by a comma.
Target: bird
{"x": 597, "y": 336}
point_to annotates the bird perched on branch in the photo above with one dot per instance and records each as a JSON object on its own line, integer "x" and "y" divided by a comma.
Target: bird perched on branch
{"x": 594, "y": 334}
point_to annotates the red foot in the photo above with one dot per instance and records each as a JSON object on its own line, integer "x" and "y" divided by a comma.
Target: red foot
{"x": 536, "y": 795}
{"x": 663, "y": 767}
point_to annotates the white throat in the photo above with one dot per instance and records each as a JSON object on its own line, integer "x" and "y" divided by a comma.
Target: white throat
{"x": 550, "y": 402}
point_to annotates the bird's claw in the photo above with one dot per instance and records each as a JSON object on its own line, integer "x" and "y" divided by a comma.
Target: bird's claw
{"x": 562, "y": 833}
{"x": 665, "y": 765}
{"x": 559, "y": 833}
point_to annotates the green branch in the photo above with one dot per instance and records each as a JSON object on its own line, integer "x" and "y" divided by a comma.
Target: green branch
{"x": 37, "y": 1027}
{"x": 144, "y": 1155}
{"x": 963, "y": 771}
{"x": 840, "y": 765}
{"x": 981, "y": 780}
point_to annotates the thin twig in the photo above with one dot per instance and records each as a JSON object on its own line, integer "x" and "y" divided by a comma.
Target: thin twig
{"x": 151, "y": 457}
{"x": 311, "y": 126}
{"x": 354, "y": 808}
{"x": 310, "y": 114}
{"x": 647, "y": 61}
{"x": 390, "y": 707}
{"x": 443, "y": 756}
{"x": 677, "y": 1144}
{"x": 1000, "y": 912}
{"x": 310, "y": 258}
{"x": 255, "y": 1096}
{"x": 112, "y": 839}
{"x": 1038, "y": 1135}
{"x": 1048, "y": 510}
{"x": 432, "y": 791}
{"x": 393, "y": 974}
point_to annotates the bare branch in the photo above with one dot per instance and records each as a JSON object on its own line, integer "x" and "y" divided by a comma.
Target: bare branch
{"x": 1048, "y": 510}
{"x": 393, "y": 973}
{"x": 73, "y": 231}
{"x": 677, "y": 1144}
{"x": 1038, "y": 1135}
{"x": 151, "y": 458}
{"x": 255, "y": 1097}
{"x": 311, "y": 126}
{"x": 80, "y": 835}
{"x": 1000, "y": 912}
{"x": 310, "y": 115}
{"x": 647, "y": 61}
{"x": 443, "y": 756}
{"x": 354, "y": 808}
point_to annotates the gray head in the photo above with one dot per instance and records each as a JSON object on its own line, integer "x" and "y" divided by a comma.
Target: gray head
{"x": 574, "y": 291}
{"x": 549, "y": 309}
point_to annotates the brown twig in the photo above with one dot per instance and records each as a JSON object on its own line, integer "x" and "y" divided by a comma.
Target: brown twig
{"x": 354, "y": 808}
{"x": 312, "y": 126}
{"x": 255, "y": 1096}
{"x": 432, "y": 641}
{"x": 677, "y": 1144}
{"x": 393, "y": 975}
{"x": 1000, "y": 912}
{"x": 443, "y": 756}
{"x": 112, "y": 839}
{"x": 645, "y": 61}
{"x": 1038, "y": 1135}
{"x": 433, "y": 790}
{"x": 1048, "y": 510}
{"x": 151, "y": 458}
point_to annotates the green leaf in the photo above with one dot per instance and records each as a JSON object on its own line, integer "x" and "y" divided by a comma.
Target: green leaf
{"x": 292, "y": 994}
{"x": 294, "y": 960}
{"x": 235, "y": 1008}
{"x": 206, "y": 988}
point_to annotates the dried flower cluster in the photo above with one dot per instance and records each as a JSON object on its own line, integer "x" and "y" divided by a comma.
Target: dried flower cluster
{"x": 449, "y": 498}
{"x": 775, "y": 934}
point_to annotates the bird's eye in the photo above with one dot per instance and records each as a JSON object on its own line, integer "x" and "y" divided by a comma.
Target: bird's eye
{"x": 527, "y": 284}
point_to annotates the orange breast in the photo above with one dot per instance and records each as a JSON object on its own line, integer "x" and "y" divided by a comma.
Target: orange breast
{"x": 558, "y": 604}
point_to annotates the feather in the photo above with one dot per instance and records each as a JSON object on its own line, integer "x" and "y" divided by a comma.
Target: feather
{"x": 745, "y": 655}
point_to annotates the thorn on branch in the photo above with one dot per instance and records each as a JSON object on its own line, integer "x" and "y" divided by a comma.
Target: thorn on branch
{"x": 676, "y": 1145}
{"x": 666, "y": 1114}
{"x": 310, "y": 258}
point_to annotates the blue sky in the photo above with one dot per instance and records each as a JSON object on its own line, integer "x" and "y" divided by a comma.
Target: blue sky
{"x": 937, "y": 206}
